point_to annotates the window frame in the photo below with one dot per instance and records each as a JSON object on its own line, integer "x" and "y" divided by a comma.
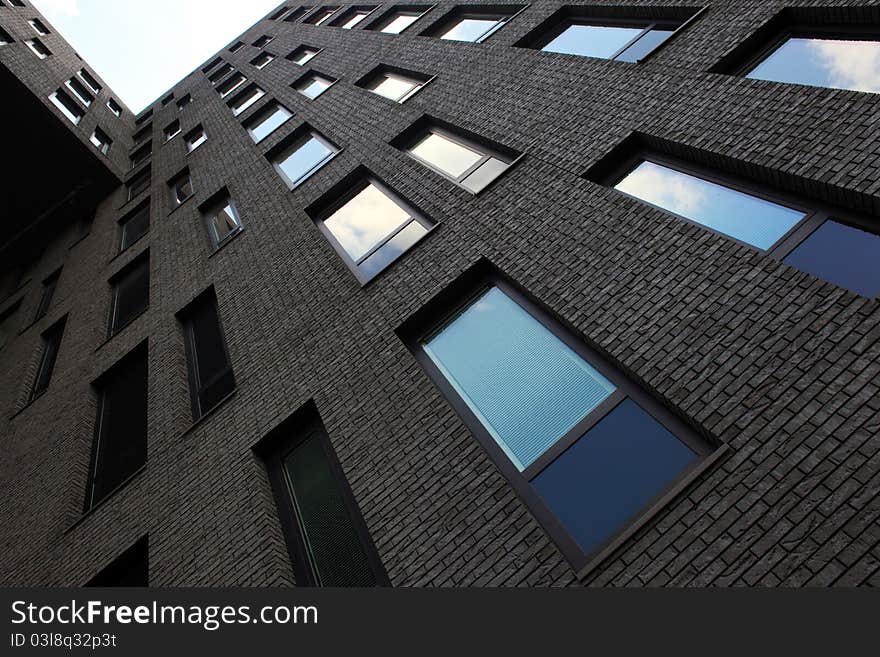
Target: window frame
{"x": 349, "y": 13}
{"x": 208, "y": 211}
{"x": 61, "y": 101}
{"x": 104, "y": 142}
{"x": 293, "y": 142}
{"x": 448, "y": 306}
{"x": 246, "y": 99}
{"x": 383, "y": 70}
{"x": 265, "y": 54}
{"x": 35, "y": 45}
{"x": 47, "y": 293}
{"x": 290, "y": 56}
{"x": 123, "y": 222}
{"x": 312, "y": 73}
{"x": 330, "y": 10}
{"x": 262, "y": 115}
{"x": 142, "y": 260}
{"x": 50, "y": 346}
{"x": 188, "y": 141}
{"x": 387, "y": 17}
{"x": 110, "y": 103}
{"x": 180, "y": 179}
{"x": 459, "y": 13}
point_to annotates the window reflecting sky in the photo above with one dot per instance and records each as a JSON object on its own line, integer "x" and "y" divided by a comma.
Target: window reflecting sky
{"x": 314, "y": 86}
{"x": 592, "y": 40}
{"x": 399, "y": 24}
{"x": 394, "y": 87}
{"x": 836, "y": 63}
{"x": 446, "y": 155}
{"x": 744, "y": 217}
{"x": 365, "y": 221}
{"x": 307, "y": 156}
{"x": 270, "y": 123}
{"x": 470, "y": 29}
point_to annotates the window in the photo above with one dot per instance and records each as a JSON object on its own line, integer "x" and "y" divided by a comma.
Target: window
{"x": 67, "y": 107}
{"x": 262, "y": 60}
{"x": 398, "y": 18}
{"x": 235, "y": 47}
{"x": 220, "y": 73}
{"x": 280, "y": 14}
{"x": 231, "y": 85}
{"x": 172, "y": 130}
{"x": 212, "y": 64}
{"x": 134, "y": 226}
{"x": 473, "y": 23}
{"x": 295, "y": 14}
{"x": 7, "y": 330}
{"x": 143, "y": 118}
{"x": 17, "y": 3}
{"x": 267, "y": 120}
{"x": 467, "y": 162}
{"x": 321, "y": 16}
{"x": 246, "y": 99}
{"x": 303, "y": 55}
{"x": 369, "y": 225}
{"x": 628, "y": 42}
{"x": 210, "y": 371}
{"x": 263, "y": 41}
{"x": 327, "y": 539}
{"x": 195, "y": 138}
{"x": 115, "y": 107}
{"x": 141, "y": 155}
{"x": 80, "y": 91}
{"x": 180, "y": 189}
{"x": 131, "y": 568}
{"x": 143, "y": 134}
{"x": 38, "y": 26}
{"x": 139, "y": 183}
{"x": 101, "y": 141}
{"x": 131, "y": 294}
{"x": 120, "y": 445}
{"x": 183, "y": 101}
{"x": 49, "y": 286}
{"x": 395, "y": 84}
{"x": 5, "y": 38}
{"x": 38, "y": 48}
{"x": 301, "y": 155}
{"x": 312, "y": 84}
{"x": 51, "y": 343}
{"x": 90, "y": 80}
{"x": 167, "y": 99}
{"x": 352, "y": 16}
{"x": 590, "y": 452}
{"x": 221, "y": 219}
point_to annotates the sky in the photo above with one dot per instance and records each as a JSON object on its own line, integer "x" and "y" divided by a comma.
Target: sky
{"x": 141, "y": 48}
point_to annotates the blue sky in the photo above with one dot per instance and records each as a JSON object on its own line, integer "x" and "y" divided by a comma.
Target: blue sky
{"x": 142, "y": 47}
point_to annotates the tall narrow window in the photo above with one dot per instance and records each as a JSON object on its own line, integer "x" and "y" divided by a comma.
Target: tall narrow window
{"x": 143, "y": 134}
{"x": 394, "y": 84}
{"x": 312, "y": 84}
{"x": 303, "y": 55}
{"x": 131, "y": 294}
{"x": 327, "y": 539}
{"x": 51, "y": 344}
{"x": 210, "y": 371}
{"x": 67, "y": 106}
{"x": 90, "y": 80}
{"x": 38, "y": 48}
{"x": 134, "y": 226}
{"x": 246, "y": 99}
{"x": 588, "y": 450}
{"x": 398, "y": 18}
{"x": 321, "y": 16}
{"x": 101, "y": 141}
{"x": 115, "y": 107}
{"x": 472, "y": 23}
{"x": 139, "y": 184}
{"x": 120, "y": 446}
{"x": 38, "y": 26}
{"x": 352, "y": 16}
{"x": 79, "y": 90}
{"x": 195, "y": 138}
{"x": 301, "y": 155}
{"x": 49, "y": 287}
{"x": 221, "y": 219}
{"x": 131, "y": 568}
{"x": 180, "y": 189}
{"x": 267, "y": 120}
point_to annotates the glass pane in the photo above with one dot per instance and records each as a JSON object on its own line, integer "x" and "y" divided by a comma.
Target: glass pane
{"x": 602, "y": 481}
{"x": 394, "y": 87}
{"x": 135, "y": 227}
{"x": 305, "y": 56}
{"x": 301, "y": 162}
{"x": 484, "y": 174}
{"x": 527, "y": 387}
{"x": 399, "y": 24}
{"x": 470, "y": 29}
{"x": 354, "y": 20}
{"x": 314, "y": 87}
{"x": 447, "y": 155}
{"x": 247, "y": 101}
{"x": 365, "y": 221}
{"x": 644, "y": 46}
{"x": 592, "y": 40}
{"x": 224, "y": 223}
{"x": 132, "y": 295}
{"x": 843, "y": 255}
{"x": 835, "y": 63}
{"x": 742, "y": 216}
{"x": 268, "y": 124}
{"x": 196, "y": 141}
{"x": 393, "y": 249}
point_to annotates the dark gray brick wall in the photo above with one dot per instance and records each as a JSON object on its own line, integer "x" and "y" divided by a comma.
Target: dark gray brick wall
{"x": 781, "y": 367}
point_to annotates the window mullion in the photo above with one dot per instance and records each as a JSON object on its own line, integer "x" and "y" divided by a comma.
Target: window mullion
{"x": 633, "y": 42}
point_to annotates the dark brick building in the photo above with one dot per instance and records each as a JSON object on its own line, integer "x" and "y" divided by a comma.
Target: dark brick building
{"x": 273, "y": 404}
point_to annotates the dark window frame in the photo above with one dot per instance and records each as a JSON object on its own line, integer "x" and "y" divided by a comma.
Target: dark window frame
{"x": 312, "y": 18}
{"x": 351, "y": 12}
{"x": 503, "y": 13}
{"x": 50, "y": 284}
{"x": 208, "y": 210}
{"x": 142, "y": 260}
{"x": 291, "y": 56}
{"x": 459, "y": 296}
{"x": 312, "y": 73}
{"x": 141, "y": 154}
{"x": 384, "y": 69}
{"x": 50, "y": 347}
{"x": 139, "y": 183}
{"x": 297, "y": 13}
{"x": 174, "y": 184}
{"x": 388, "y": 16}
{"x": 123, "y": 222}
{"x": 261, "y": 115}
{"x": 297, "y": 139}
{"x": 246, "y": 99}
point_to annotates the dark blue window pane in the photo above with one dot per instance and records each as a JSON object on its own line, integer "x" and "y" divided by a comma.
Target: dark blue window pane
{"x": 835, "y": 63}
{"x": 612, "y": 473}
{"x": 843, "y": 255}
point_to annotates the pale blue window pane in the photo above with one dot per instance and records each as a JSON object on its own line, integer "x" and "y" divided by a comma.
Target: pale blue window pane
{"x": 300, "y": 163}
{"x": 592, "y": 40}
{"x": 527, "y": 387}
{"x": 612, "y": 473}
{"x": 269, "y": 123}
{"x": 393, "y": 249}
{"x": 835, "y": 63}
{"x": 843, "y": 255}
{"x": 644, "y": 46}
{"x": 470, "y": 29}
{"x": 742, "y": 216}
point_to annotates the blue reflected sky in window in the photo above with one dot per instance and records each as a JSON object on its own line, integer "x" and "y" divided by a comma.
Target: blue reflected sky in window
{"x": 644, "y": 46}
{"x": 843, "y": 255}
{"x": 269, "y": 123}
{"x": 835, "y": 63}
{"x": 592, "y": 40}
{"x": 742, "y": 216}
{"x": 612, "y": 473}
{"x": 527, "y": 387}
{"x": 300, "y": 163}
{"x": 393, "y": 249}
{"x": 470, "y": 29}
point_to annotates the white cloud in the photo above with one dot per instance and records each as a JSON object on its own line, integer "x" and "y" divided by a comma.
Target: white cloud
{"x": 850, "y": 64}
{"x": 666, "y": 188}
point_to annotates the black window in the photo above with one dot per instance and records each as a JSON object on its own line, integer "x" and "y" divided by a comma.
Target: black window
{"x": 167, "y": 99}
{"x": 7, "y": 330}
{"x": 142, "y": 135}
{"x": 352, "y": 17}
{"x": 134, "y": 226}
{"x": 49, "y": 286}
{"x": 263, "y": 41}
{"x": 90, "y": 80}
{"x": 327, "y": 539}
{"x": 235, "y": 47}
{"x": 51, "y": 343}
{"x": 210, "y": 372}
{"x": 115, "y": 107}
{"x": 280, "y": 14}
{"x": 144, "y": 117}
{"x": 141, "y": 155}
{"x": 131, "y": 568}
{"x": 131, "y": 293}
{"x": 120, "y": 445}
{"x": 172, "y": 130}
{"x": 183, "y": 101}
{"x": 322, "y": 15}
{"x": 139, "y": 183}
{"x": 221, "y": 218}
{"x": 217, "y": 75}
{"x": 213, "y": 63}
{"x": 5, "y": 38}
{"x": 296, "y": 14}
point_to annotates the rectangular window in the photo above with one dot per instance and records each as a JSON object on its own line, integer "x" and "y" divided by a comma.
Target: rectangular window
{"x": 180, "y": 189}
{"x": 134, "y": 226}
{"x": 327, "y": 539}
{"x": 167, "y": 99}
{"x": 296, "y": 14}
{"x": 38, "y": 48}
{"x": 214, "y": 63}
{"x": 231, "y": 84}
{"x": 5, "y": 38}
{"x": 394, "y": 83}
{"x": 120, "y": 445}
{"x": 472, "y": 23}
{"x": 89, "y": 79}
{"x": 80, "y": 91}
{"x": 131, "y": 568}
{"x": 220, "y": 73}
{"x": 210, "y": 371}
{"x": 467, "y": 162}
{"x": 312, "y": 84}
{"x": 49, "y": 286}
{"x": 281, "y": 14}
{"x": 263, "y": 41}
{"x": 115, "y": 107}
{"x": 101, "y": 141}
{"x": 266, "y": 121}
{"x": 7, "y": 329}
{"x": 398, "y": 18}
{"x": 246, "y": 99}
{"x": 352, "y": 16}
{"x": 38, "y": 26}
{"x": 222, "y": 220}
{"x": 591, "y": 453}
{"x": 67, "y": 106}
{"x": 183, "y": 101}
{"x": 143, "y": 134}
{"x": 301, "y": 155}
{"x": 321, "y": 16}
{"x": 303, "y": 55}
{"x": 172, "y": 130}
{"x": 131, "y": 294}
{"x": 262, "y": 60}
{"x": 368, "y": 224}
{"x": 51, "y": 344}
{"x": 195, "y": 138}
{"x": 141, "y": 155}
{"x": 139, "y": 184}
{"x": 235, "y": 47}
{"x": 143, "y": 118}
